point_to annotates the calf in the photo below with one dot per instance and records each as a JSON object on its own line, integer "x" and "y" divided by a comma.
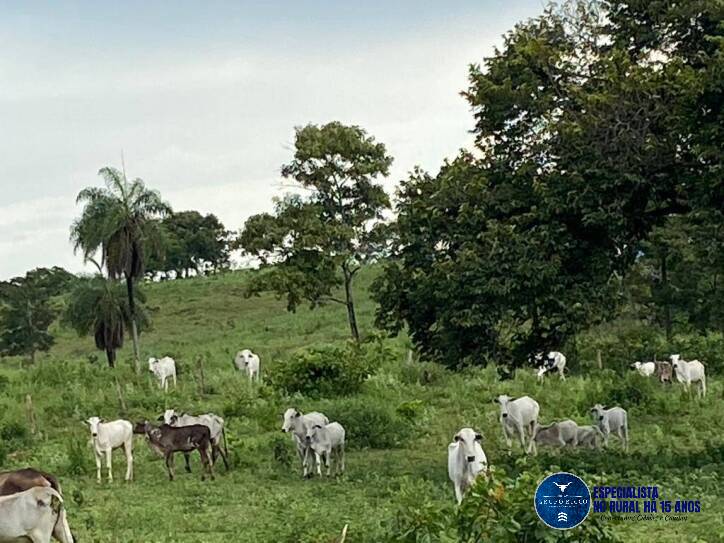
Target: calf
{"x": 167, "y": 440}
{"x": 645, "y": 369}
{"x": 465, "y": 460}
{"x": 107, "y": 436}
{"x": 163, "y": 369}
{"x": 613, "y": 420}
{"x": 298, "y": 423}
{"x": 327, "y": 441}
{"x": 665, "y": 372}
{"x": 556, "y": 434}
{"x": 589, "y": 436}
{"x": 31, "y": 514}
{"x": 216, "y": 427}
{"x": 689, "y": 372}
{"x": 12, "y": 482}
{"x": 517, "y": 417}
{"x": 249, "y": 363}
{"x": 554, "y": 361}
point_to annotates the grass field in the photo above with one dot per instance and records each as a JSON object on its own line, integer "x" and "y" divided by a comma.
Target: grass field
{"x": 677, "y": 442}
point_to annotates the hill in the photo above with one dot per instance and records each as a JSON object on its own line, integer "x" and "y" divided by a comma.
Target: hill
{"x": 406, "y": 413}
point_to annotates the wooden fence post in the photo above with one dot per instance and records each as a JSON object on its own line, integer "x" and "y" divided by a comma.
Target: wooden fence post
{"x": 124, "y": 409}
{"x": 202, "y": 383}
{"x": 598, "y": 359}
{"x": 31, "y": 414}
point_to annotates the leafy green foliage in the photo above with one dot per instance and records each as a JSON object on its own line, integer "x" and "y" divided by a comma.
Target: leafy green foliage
{"x": 371, "y": 425}
{"x": 26, "y": 310}
{"x": 312, "y": 245}
{"x": 190, "y": 241}
{"x": 325, "y": 370}
{"x": 583, "y": 146}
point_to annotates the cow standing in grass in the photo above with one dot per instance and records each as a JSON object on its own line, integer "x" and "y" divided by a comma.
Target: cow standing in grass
{"x": 167, "y": 440}
{"x": 689, "y": 372}
{"x": 215, "y": 424}
{"x": 518, "y": 418}
{"x": 249, "y": 363}
{"x": 164, "y": 369}
{"x": 30, "y": 515}
{"x": 108, "y": 436}
{"x": 465, "y": 461}
{"x": 12, "y": 482}
{"x": 297, "y": 423}
{"x": 611, "y": 421}
{"x": 554, "y": 361}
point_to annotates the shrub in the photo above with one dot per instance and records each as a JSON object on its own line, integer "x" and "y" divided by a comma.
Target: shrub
{"x": 14, "y": 431}
{"x": 372, "y": 425}
{"x": 77, "y": 455}
{"x": 417, "y": 518}
{"x": 327, "y": 370}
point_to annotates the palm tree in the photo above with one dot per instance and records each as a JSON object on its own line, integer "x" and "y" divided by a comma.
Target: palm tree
{"x": 99, "y": 306}
{"x": 118, "y": 221}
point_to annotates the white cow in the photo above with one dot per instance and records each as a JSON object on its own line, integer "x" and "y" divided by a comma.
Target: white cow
{"x": 465, "y": 460}
{"x": 298, "y": 423}
{"x": 555, "y": 434}
{"x": 689, "y": 372}
{"x": 215, "y": 424}
{"x": 589, "y": 436}
{"x": 613, "y": 420}
{"x": 327, "y": 441}
{"x": 554, "y": 361}
{"x": 249, "y": 363}
{"x": 107, "y": 436}
{"x": 646, "y": 369}
{"x": 517, "y": 417}
{"x": 30, "y": 515}
{"x": 163, "y": 368}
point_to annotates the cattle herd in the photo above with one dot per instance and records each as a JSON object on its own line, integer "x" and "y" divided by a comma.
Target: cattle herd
{"x": 31, "y": 501}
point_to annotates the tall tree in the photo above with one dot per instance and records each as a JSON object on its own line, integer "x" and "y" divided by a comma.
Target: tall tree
{"x": 315, "y": 243}
{"x": 119, "y": 220}
{"x": 26, "y": 311}
{"x": 586, "y": 140}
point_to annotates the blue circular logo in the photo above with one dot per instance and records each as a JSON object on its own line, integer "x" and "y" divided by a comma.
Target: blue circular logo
{"x": 562, "y": 500}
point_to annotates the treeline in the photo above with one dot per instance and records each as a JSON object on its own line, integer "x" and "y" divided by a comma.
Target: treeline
{"x": 593, "y": 191}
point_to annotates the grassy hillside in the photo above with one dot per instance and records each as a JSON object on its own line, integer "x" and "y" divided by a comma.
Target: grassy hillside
{"x": 677, "y": 442}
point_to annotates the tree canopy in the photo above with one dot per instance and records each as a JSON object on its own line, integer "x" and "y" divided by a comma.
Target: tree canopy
{"x": 594, "y": 124}
{"x": 316, "y": 242}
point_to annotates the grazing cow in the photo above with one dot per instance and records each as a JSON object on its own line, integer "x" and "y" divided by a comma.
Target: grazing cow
{"x": 589, "y": 436}
{"x": 249, "y": 363}
{"x": 465, "y": 460}
{"x": 645, "y": 369}
{"x": 556, "y": 434}
{"x": 163, "y": 368}
{"x": 689, "y": 372}
{"x": 665, "y": 372}
{"x": 613, "y": 420}
{"x": 517, "y": 417}
{"x": 216, "y": 427}
{"x": 167, "y": 440}
{"x": 327, "y": 441}
{"x": 554, "y": 361}
{"x": 107, "y": 436}
{"x": 30, "y": 515}
{"x": 298, "y": 423}
{"x": 12, "y": 482}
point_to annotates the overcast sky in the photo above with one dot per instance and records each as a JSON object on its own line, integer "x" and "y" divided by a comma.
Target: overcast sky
{"x": 203, "y": 98}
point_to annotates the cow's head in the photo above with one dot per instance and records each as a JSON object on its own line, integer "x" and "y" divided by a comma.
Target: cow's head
{"x": 675, "y": 358}
{"x": 312, "y": 432}
{"x": 503, "y": 400}
{"x": 636, "y": 365}
{"x": 290, "y": 417}
{"x": 93, "y": 423}
{"x": 140, "y": 427}
{"x": 152, "y": 363}
{"x": 466, "y": 439}
{"x": 597, "y": 412}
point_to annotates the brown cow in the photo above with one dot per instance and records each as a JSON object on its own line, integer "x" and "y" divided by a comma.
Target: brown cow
{"x": 12, "y": 482}
{"x": 167, "y": 440}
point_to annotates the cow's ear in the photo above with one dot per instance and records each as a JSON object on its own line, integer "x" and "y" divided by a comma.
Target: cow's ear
{"x": 478, "y": 437}
{"x": 318, "y": 426}
{"x": 101, "y": 420}
{"x": 85, "y": 423}
{"x": 495, "y": 400}
{"x": 160, "y": 418}
{"x": 297, "y": 414}
{"x": 457, "y": 437}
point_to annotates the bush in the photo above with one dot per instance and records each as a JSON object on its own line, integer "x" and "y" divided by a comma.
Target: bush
{"x": 372, "y": 425}
{"x": 14, "y": 431}
{"x": 326, "y": 370}
{"x": 78, "y": 459}
{"x": 417, "y": 518}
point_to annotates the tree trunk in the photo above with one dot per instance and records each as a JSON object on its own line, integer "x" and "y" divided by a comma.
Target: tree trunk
{"x": 32, "y": 357}
{"x": 111, "y": 355}
{"x": 351, "y": 317}
{"x": 134, "y": 327}
{"x": 667, "y": 301}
